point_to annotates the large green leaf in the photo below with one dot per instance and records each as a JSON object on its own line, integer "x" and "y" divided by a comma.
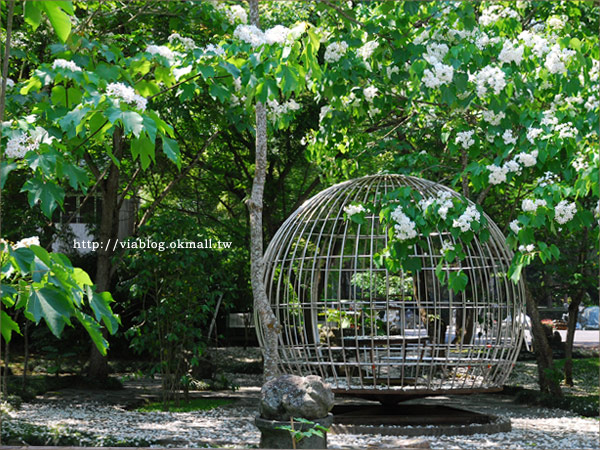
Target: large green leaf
{"x": 144, "y": 148}
{"x": 58, "y": 14}
{"x": 8, "y": 326}
{"x": 48, "y": 194}
{"x": 99, "y": 302}
{"x": 51, "y": 305}
{"x": 5, "y": 169}
{"x": 132, "y": 121}
{"x": 171, "y": 149}
{"x": 93, "y": 330}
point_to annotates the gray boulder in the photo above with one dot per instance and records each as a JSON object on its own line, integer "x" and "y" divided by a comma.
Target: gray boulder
{"x": 292, "y": 396}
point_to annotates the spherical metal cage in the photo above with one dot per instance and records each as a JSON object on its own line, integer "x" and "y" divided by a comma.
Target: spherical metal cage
{"x": 371, "y": 332}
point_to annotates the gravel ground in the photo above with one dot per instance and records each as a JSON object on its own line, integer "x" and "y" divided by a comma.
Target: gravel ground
{"x": 233, "y": 425}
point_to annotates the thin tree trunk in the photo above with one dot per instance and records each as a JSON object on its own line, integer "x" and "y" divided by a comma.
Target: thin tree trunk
{"x": 26, "y": 357}
{"x": 542, "y": 350}
{"x": 109, "y": 222}
{"x": 255, "y": 207}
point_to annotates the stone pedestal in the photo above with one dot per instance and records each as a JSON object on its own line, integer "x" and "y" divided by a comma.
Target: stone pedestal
{"x": 271, "y": 436}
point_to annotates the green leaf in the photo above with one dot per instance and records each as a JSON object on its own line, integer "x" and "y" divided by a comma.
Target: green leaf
{"x": 57, "y": 14}
{"x": 144, "y": 148}
{"x": 48, "y": 194}
{"x": 51, "y": 305}
{"x": 5, "y": 169}
{"x": 218, "y": 91}
{"x": 77, "y": 176}
{"x": 94, "y": 331}
{"x": 100, "y": 304}
{"x": 171, "y": 149}
{"x": 32, "y": 14}
{"x": 457, "y": 281}
{"x": 8, "y": 326}
{"x": 72, "y": 119}
{"x": 131, "y": 120}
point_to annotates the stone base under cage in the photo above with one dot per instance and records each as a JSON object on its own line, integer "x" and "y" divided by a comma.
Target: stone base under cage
{"x": 414, "y": 420}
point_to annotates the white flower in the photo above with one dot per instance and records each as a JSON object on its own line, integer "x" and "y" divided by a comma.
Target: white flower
{"x": 370, "y": 92}
{"x": 447, "y": 247}
{"x": 508, "y": 137}
{"x": 511, "y": 53}
{"x": 426, "y": 202}
{"x": 211, "y": 48}
{"x": 33, "y": 240}
{"x": 275, "y": 110}
{"x": 529, "y": 205}
{"x": 438, "y": 75}
{"x": 469, "y": 216}
{"x": 550, "y": 119}
{"x": 404, "y": 227}
{"x": 444, "y": 200}
{"x": 580, "y": 162}
{"x": 491, "y": 77}
{"x": 539, "y": 45}
{"x": 526, "y": 249}
{"x": 564, "y": 211}
{"x": 497, "y": 174}
{"x": 527, "y": 159}
{"x": 435, "y": 52}
{"x": 512, "y": 166}
{"x": 493, "y": 13}
{"x": 187, "y": 43}
{"x": 324, "y": 111}
{"x": 514, "y": 226}
{"x": 465, "y": 138}
{"x": 367, "y": 50}
{"x": 9, "y": 83}
{"x": 390, "y": 70}
{"x": 556, "y": 22}
{"x": 178, "y": 73}
{"x": 250, "y": 34}
{"x": 350, "y": 210}
{"x": 64, "y": 64}
{"x": 566, "y": 130}
{"x": 277, "y": 35}
{"x": 546, "y": 179}
{"x": 591, "y": 103}
{"x": 493, "y": 118}
{"x": 533, "y": 133}
{"x": 236, "y": 13}
{"x": 163, "y": 51}
{"x": 125, "y": 93}
{"x": 557, "y": 59}
{"x": 335, "y": 51}
{"x": 18, "y": 145}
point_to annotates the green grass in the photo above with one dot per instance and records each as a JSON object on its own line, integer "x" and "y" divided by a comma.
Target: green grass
{"x": 195, "y": 404}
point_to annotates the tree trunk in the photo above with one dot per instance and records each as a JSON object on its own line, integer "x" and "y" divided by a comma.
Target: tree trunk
{"x": 571, "y": 324}
{"x": 255, "y": 207}
{"x": 542, "y": 350}
{"x": 109, "y": 225}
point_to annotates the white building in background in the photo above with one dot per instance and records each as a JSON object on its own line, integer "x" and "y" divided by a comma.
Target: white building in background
{"x": 82, "y": 220}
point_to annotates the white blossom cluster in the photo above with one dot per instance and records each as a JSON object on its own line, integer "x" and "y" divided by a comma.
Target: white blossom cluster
{"x": 404, "y": 227}
{"x": 492, "y": 118}
{"x": 236, "y": 13}
{"x": 9, "y": 83}
{"x": 497, "y": 173}
{"x": 529, "y": 205}
{"x": 566, "y": 130}
{"x": 18, "y": 145}
{"x": 187, "y": 43}
{"x": 391, "y": 70}
{"x": 514, "y": 226}
{"x": 547, "y": 179}
{"x": 494, "y": 13}
{"x": 556, "y": 22}
{"x": 533, "y": 133}
{"x": 467, "y": 218}
{"x": 181, "y": 71}
{"x": 350, "y": 210}
{"x": 557, "y": 59}
{"x": 370, "y": 93}
{"x": 214, "y": 49}
{"x": 564, "y": 211}
{"x": 509, "y": 138}
{"x": 526, "y": 248}
{"x": 367, "y": 50}
{"x": 435, "y": 52}
{"x": 27, "y": 242}
{"x": 64, "y": 64}
{"x": 126, "y": 94}
{"x": 550, "y": 119}
{"x": 580, "y": 162}
{"x": 538, "y": 44}
{"x": 275, "y": 110}
{"x": 465, "y": 138}
{"x": 164, "y": 51}
{"x": 527, "y": 159}
{"x": 276, "y": 35}
{"x": 592, "y": 103}
{"x": 489, "y": 77}
{"x": 335, "y": 51}
{"x": 511, "y": 52}
{"x": 439, "y": 74}
{"x": 443, "y": 200}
